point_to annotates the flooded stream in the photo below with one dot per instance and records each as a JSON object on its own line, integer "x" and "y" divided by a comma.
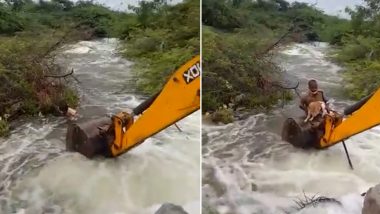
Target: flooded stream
{"x": 247, "y": 169}
{"x": 37, "y": 175}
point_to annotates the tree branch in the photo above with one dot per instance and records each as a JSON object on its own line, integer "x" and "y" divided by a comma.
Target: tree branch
{"x": 61, "y": 76}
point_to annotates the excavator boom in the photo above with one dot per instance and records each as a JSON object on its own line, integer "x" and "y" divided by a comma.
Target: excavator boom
{"x": 362, "y": 119}
{"x": 178, "y": 98}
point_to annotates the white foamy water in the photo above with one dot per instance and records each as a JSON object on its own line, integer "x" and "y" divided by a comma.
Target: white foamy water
{"x": 248, "y": 169}
{"x": 37, "y": 175}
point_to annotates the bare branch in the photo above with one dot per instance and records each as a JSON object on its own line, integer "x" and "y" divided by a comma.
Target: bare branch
{"x": 275, "y": 84}
{"x": 314, "y": 201}
{"x": 61, "y": 76}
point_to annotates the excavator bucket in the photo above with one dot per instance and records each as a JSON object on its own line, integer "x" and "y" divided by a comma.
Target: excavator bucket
{"x": 300, "y": 134}
{"x": 89, "y": 138}
{"x": 94, "y": 137}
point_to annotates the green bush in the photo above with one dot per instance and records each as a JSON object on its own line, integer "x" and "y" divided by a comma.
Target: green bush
{"x": 4, "y": 128}
{"x": 363, "y": 78}
{"x": 167, "y": 41}
{"x": 236, "y": 38}
{"x": 9, "y": 21}
{"x": 222, "y": 115}
{"x": 231, "y": 70}
{"x": 70, "y": 97}
{"x": 359, "y": 50}
{"x": 97, "y": 17}
{"x": 159, "y": 36}
{"x": 22, "y": 70}
{"x": 30, "y": 107}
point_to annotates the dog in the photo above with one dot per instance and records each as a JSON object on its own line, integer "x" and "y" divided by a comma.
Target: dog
{"x": 71, "y": 114}
{"x": 314, "y": 109}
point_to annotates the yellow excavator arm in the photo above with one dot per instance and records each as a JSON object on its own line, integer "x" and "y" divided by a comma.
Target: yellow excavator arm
{"x": 178, "y": 98}
{"x": 365, "y": 115}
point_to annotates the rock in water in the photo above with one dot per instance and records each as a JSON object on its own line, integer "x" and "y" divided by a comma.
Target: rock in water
{"x": 168, "y": 208}
{"x": 372, "y": 201}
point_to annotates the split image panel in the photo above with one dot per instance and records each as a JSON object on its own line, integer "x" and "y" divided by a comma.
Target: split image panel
{"x": 282, "y": 128}
{"x": 188, "y": 106}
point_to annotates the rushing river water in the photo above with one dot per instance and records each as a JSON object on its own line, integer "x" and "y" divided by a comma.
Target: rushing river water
{"x": 248, "y": 169}
{"x": 37, "y": 175}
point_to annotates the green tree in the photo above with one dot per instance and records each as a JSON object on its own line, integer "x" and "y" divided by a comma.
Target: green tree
{"x": 146, "y": 10}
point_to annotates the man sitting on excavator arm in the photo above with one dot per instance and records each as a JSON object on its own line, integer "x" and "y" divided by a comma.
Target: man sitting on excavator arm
{"x": 327, "y": 131}
{"x": 315, "y": 127}
{"x": 312, "y": 95}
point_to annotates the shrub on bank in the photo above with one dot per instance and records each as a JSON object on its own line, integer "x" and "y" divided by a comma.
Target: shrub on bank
{"x": 359, "y": 50}
{"x": 223, "y": 115}
{"x": 162, "y": 39}
{"x": 25, "y": 87}
{"x": 238, "y": 42}
{"x": 4, "y": 127}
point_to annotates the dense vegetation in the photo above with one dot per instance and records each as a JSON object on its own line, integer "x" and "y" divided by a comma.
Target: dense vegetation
{"x": 359, "y": 50}
{"x": 238, "y": 36}
{"x": 30, "y": 32}
{"x": 165, "y": 37}
{"x": 159, "y": 36}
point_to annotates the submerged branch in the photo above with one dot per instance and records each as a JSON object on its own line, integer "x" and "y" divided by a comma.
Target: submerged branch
{"x": 313, "y": 201}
